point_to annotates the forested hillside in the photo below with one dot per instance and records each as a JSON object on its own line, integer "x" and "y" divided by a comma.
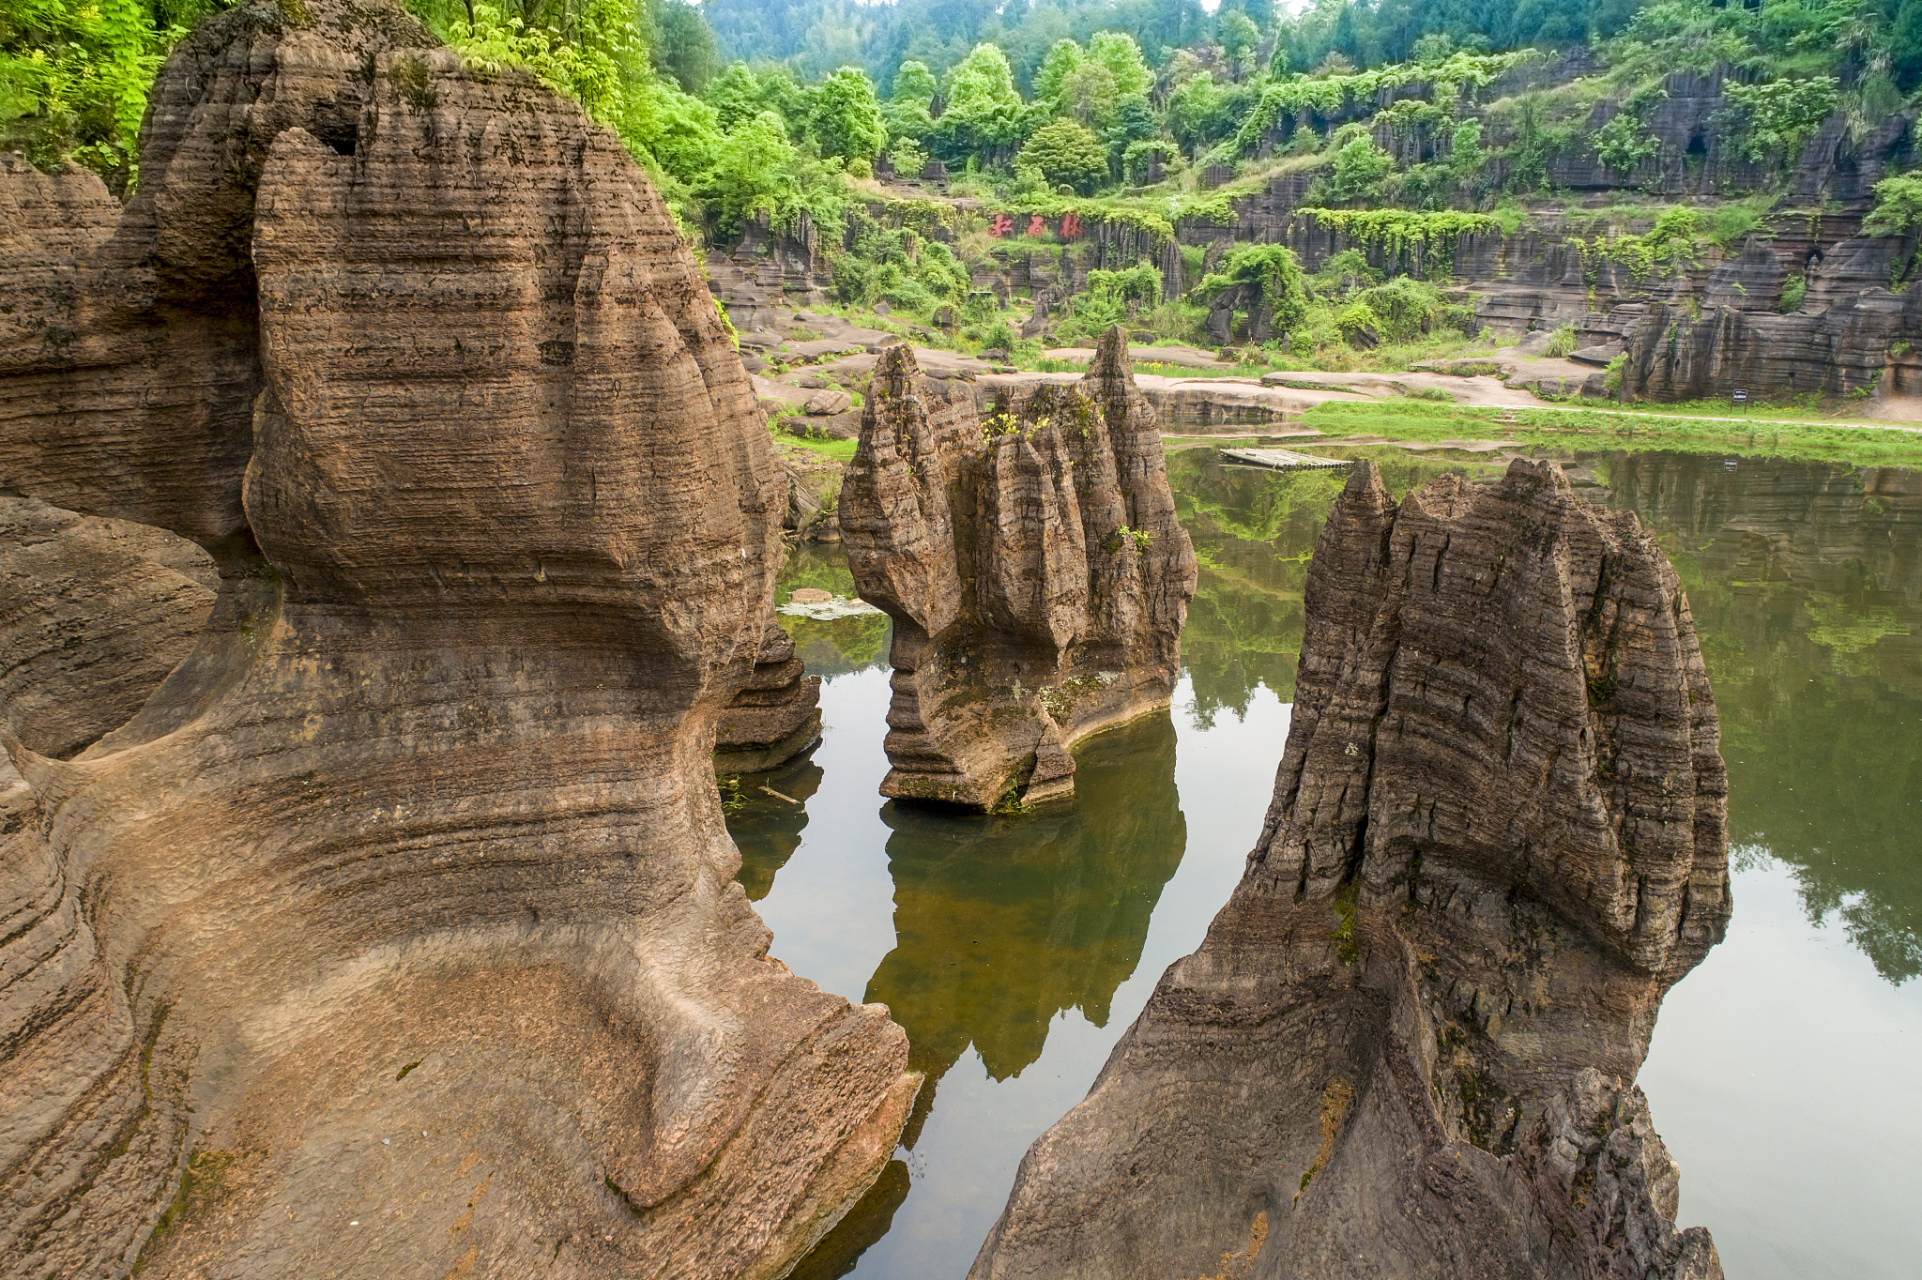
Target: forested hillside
{"x": 1309, "y": 181}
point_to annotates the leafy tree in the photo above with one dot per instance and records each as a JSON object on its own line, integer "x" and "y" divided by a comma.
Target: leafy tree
{"x": 1359, "y": 172}
{"x": 1898, "y": 206}
{"x": 752, "y": 174}
{"x": 984, "y": 115}
{"x": 683, "y": 47}
{"x": 913, "y": 82}
{"x": 1239, "y": 35}
{"x": 1064, "y": 57}
{"x": 846, "y": 119}
{"x": 1272, "y": 272}
{"x": 74, "y": 76}
{"x": 1065, "y": 151}
{"x": 906, "y": 114}
{"x": 1198, "y": 112}
{"x": 1088, "y": 94}
{"x": 1118, "y": 52}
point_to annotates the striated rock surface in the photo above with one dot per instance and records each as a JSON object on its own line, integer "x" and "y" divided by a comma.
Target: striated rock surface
{"x": 1408, "y": 1045}
{"x": 396, "y": 933}
{"x": 776, "y": 715}
{"x": 1033, "y": 569}
{"x": 93, "y": 615}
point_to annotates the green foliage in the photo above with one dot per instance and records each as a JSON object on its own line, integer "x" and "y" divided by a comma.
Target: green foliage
{"x": 984, "y": 115}
{"x": 1358, "y": 174}
{"x": 1274, "y": 274}
{"x": 1113, "y": 297}
{"x": 1405, "y": 231}
{"x": 845, "y": 118}
{"x": 74, "y": 76}
{"x": 1793, "y": 291}
{"x": 682, "y": 46}
{"x": 1772, "y": 122}
{"x": 1624, "y": 143}
{"x": 1898, "y": 206}
{"x": 1561, "y": 342}
{"x": 1674, "y": 242}
{"x": 1066, "y": 152}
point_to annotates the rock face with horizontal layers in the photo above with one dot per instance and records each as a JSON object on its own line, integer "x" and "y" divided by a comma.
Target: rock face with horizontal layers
{"x": 1033, "y": 569}
{"x": 1408, "y": 1045}
{"x": 396, "y": 934}
{"x": 776, "y": 715}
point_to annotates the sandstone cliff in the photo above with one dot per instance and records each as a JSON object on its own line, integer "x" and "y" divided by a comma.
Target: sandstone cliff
{"x": 396, "y": 934}
{"x": 1033, "y": 569}
{"x": 1409, "y": 1042}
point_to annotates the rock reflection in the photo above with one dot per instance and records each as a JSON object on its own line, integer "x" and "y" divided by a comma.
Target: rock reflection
{"x": 1806, "y": 585}
{"x": 1003, "y": 922}
{"x": 1253, "y": 531}
{"x": 766, "y": 826}
{"x": 829, "y": 648}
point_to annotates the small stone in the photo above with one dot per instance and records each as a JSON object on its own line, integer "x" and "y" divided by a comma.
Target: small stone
{"x": 830, "y": 401}
{"x": 811, "y": 595}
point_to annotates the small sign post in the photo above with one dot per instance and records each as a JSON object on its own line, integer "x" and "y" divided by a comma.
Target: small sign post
{"x": 1739, "y": 398}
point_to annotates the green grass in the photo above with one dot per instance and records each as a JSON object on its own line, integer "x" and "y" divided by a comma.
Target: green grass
{"x": 1589, "y": 428}
{"x": 839, "y": 450}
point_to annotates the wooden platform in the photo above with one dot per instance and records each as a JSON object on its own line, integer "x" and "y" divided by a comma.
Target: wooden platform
{"x": 1282, "y": 459}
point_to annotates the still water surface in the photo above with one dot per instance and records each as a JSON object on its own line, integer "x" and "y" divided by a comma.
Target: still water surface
{"x": 1786, "y": 1071}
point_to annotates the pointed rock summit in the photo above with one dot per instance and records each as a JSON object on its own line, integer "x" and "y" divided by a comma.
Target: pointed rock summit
{"x": 1033, "y": 569}
{"x": 1408, "y": 1045}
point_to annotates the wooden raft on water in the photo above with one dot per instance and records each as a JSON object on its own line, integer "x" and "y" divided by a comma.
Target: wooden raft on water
{"x": 1281, "y": 459}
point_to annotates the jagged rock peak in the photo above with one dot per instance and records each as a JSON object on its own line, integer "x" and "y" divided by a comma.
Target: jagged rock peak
{"x": 1033, "y": 567}
{"x": 1409, "y": 1041}
{"x": 396, "y": 933}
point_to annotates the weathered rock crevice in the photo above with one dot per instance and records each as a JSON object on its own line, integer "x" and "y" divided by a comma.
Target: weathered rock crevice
{"x": 1409, "y": 1042}
{"x": 1033, "y": 568}
{"x": 396, "y": 931}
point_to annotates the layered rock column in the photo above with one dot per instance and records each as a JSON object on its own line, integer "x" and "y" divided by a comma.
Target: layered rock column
{"x": 1408, "y": 1044}
{"x": 396, "y": 933}
{"x": 776, "y": 716}
{"x": 1033, "y": 569}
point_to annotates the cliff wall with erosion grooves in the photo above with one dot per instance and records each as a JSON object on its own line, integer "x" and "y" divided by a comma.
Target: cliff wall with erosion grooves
{"x": 396, "y": 933}
{"x": 1033, "y": 569}
{"x": 1409, "y": 1042}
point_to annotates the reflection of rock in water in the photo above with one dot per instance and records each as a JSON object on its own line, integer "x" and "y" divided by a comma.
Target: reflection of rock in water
{"x": 767, "y": 828}
{"x": 1248, "y": 526}
{"x": 1001, "y": 923}
{"x": 1806, "y": 585}
{"x": 1408, "y": 1044}
{"x": 869, "y": 1220}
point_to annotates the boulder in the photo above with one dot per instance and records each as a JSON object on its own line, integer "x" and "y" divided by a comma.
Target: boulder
{"x": 827, "y": 402}
{"x": 1408, "y": 1043}
{"x": 1033, "y": 569}
{"x": 395, "y": 933}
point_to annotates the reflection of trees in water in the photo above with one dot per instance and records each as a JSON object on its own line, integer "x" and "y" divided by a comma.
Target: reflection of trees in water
{"x": 1806, "y": 585}
{"x": 767, "y": 828}
{"x": 1003, "y": 922}
{"x": 1253, "y": 531}
{"x": 829, "y": 648}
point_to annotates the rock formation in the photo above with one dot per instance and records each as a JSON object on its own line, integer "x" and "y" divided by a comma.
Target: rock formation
{"x": 93, "y": 615}
{"x": 776, "y": 715}
{"x": 396, "y": 933}
{"x": 1408, "y": 1045}
{"x": 1032, "y": 566}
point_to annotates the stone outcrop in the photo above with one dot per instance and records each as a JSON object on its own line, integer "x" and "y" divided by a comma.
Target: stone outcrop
{"x": 1032, "y": 566}
{"x": 396, "y": 933}
{"x": 93, "y": 615}
{"x": 776, "y": 715}
{"x": 1408, "y": 1044}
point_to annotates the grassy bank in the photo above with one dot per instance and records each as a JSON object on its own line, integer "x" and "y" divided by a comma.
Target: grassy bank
{"x": 1605, "y": 429}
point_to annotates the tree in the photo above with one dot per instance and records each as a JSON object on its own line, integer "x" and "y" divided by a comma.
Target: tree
{"x": 1360, "y": 170}
{"x": 683, "y": 46}
{"x": 984, "y": 114}
{"x": 1119, "y": 53}
{"x": 846, "y": 119}
{"x": 906, "y": 113}
{"x": 1239, "y": 35}
{"x": 1065, "y": 151}
{"x": 1063, "y": 58}
{"x": 1088, "y": 94}
{"x": 753, "y": 174}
